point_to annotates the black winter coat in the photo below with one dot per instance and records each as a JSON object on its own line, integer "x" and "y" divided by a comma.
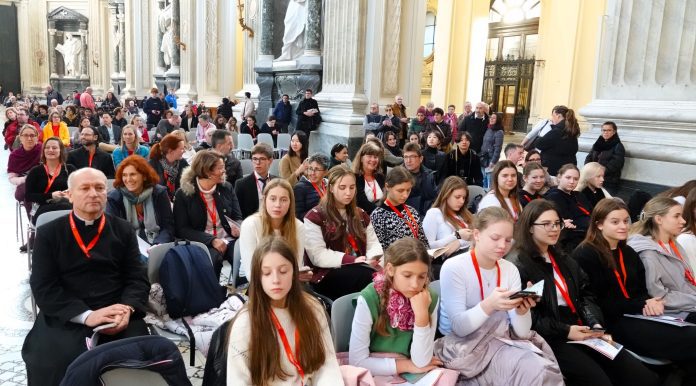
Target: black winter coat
{"x": 548, "y": 319}
{"x": 557, "y": 149}
{"x": 610, "y": 154}
{"x": 467, "y": 166}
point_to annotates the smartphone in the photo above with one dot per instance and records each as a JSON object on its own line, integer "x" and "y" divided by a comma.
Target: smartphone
{"x": 104, "y": 327}
{"x": 597, "y": 329}
{"x": 524, "y": 294}
{"x": 305, "y": 268}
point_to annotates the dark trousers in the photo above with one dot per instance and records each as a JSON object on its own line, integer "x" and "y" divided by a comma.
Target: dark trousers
{"x": 345, "y": 280}
{"x": 583, "y": 366}
{"x": 51, "y": 346}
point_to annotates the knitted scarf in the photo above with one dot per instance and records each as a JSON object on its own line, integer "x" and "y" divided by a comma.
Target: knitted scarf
{"x": 149, "y": 218}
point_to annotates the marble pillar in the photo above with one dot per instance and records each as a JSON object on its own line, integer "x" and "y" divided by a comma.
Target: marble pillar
{"x": 173, "y": 78}
{"x": 189, "y": 73}
{"x": 51, "y": 51}
{"x": 645, "y": 84}
{"x": 161, "y": 66}
{"x": 121, "y": 17}
{"x": 115, "y": 40}
{"x": 118, "y": 65}
{"x": 313, "y": 28}
{"x": 342, "y": 99}
{"x": 251, "y": 51}
{"x": 83, "y": 55}
{"x": 265, "y": 77}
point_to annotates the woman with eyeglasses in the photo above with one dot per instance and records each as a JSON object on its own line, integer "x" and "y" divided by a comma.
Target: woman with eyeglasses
{"x": 56, "y": 128}
{"x": 294, "y": 164}
{"x": 312, "y": 186}
{"x": 23, "y": 159}
{"x": 572, "y": 207}
{"x": 568, "y": 310}
{"x": 617, "y": 277}
{"x": 534, "y": 177}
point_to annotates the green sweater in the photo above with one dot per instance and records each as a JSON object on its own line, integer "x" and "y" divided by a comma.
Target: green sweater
{"x": 397, "y": 341}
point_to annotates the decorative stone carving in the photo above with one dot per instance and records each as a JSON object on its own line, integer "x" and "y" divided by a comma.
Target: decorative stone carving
{"x": 392, "y": 33}
{"x": 213, "y": 51}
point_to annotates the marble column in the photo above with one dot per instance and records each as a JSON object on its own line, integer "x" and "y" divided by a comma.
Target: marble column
{"x": 121, "y": 16}
{"x": 265, "y": 78}
{"x": 176, "y": 35}
{"x": 313, "y": 28}
{"x": 84, "y": 54}
{"x": 191, "y": 76}
{"x": 251, "y": 50}
{"x": 342, "y": 99}
{"x": 644, "y": 83}
{"x": 113, "y": 19}
{"x": 52, "y": 50}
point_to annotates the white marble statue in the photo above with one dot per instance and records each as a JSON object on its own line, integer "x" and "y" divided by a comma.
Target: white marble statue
{"x": 71, "y": 50}
{"x": 117, "y": 34}
{"x": 165, "y": 25}
{"x": 293, "y": 38}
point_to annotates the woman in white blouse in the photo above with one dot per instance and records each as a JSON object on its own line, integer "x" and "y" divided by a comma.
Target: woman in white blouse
{"x": 276, "y": 216}
{"x": 448, "y": 222}
{"x": 503, "y": 193}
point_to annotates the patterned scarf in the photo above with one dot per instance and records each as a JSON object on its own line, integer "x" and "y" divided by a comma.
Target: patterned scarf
{"x": 171, "y": 171}
{"x": 399, "y": 309}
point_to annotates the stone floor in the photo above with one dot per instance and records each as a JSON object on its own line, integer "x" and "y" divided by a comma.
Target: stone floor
{"x": 15, "y": 301}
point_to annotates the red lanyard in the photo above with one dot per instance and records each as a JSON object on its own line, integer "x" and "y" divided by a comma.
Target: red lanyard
{"x": 410, "y": 221}
{"x": 582, "y": 209}
{"x": 563, "y": 289}
{"x": 373, "y": 186}
{"x": 687, "y": 272}
{"x": 170, "y": 185}
{"x": 321, "y": 190}
{"x": 91, "y": 157}
{"x": 622, "y": 283}
{"x": 286, "y": 345}
{"x": 353, "y": 244}
{"x": 478, "y": 271}
{"x": 130, "y": 152}
{"x": 211, "y": 212}
{"x": 78, "y": 238}
{"x": 461, "y": 222}
{"x": 51, "y": 179}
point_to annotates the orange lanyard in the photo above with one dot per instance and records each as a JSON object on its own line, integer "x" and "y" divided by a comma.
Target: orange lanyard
{"x": 478, "y": 272}
{"x": 410, "y": 221}
{"x": 51, "y": 179}
{"x": 78, "y": 238}
{"x": 211, "y": 212}
{"x": 286, "y": 345}
{"x": 461, "y": 222}
{"x": 91, "y": 157}
{"x": 319, "y": 190}
{"x": 687, "y": 272}
{"x": 563, "y": 289}
{"x": 622, "y": 283}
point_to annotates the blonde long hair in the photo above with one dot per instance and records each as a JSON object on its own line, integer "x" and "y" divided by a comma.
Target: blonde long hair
{"x": 588, "y": 172}
{"x": 658, "y": 206}
{"x": 451, "y": 184}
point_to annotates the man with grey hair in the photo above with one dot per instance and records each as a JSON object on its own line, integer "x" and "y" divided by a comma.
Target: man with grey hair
{"x": 222, "y": 142}
{"x": 312, "y": 186}
{"x": 476, "y": 124}
{"x": 87, "y": 100}
{"x": 207, "y": 139}
{"x": 373, "y": 120}
{"x": 87, "y": 273}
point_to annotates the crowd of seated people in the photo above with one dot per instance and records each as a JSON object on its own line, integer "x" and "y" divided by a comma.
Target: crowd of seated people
{"x": 326, "y": 228}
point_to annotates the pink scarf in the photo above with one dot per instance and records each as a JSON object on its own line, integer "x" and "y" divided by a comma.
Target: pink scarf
{"x": 399, "y": 309}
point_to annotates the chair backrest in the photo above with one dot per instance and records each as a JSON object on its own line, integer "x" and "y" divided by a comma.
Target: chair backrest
{"x": 275, "y": 167}
{"x": 342, "y": 312}
{"x": 191, "y": 136}
{"x": 435, "y": 287}
{"x": 476, "y": 193}
{"x": 265, "y": 138}
{"x": 236, "y": 263}
{"x": 151, "y": 135}
{"x": 110, "y": 185}
{"x": 156, "y": 255}
{"x": 46, "y": 217}
{"x": 130, "y": 377}
{"x": 245, "y": 142}
{"x": 284, "y": 141}
{"x": 235, "y": 137}
{"x": 247, "y": 166}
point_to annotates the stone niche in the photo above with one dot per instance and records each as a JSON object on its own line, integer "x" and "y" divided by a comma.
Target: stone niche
{"x": 277, "y": 76}
{"x": 67, "y": 46}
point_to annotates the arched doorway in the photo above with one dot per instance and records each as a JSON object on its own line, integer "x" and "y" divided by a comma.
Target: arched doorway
{"x": 513, "y": 34}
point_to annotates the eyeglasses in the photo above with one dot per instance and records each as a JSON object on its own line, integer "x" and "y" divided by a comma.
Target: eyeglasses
{"x": 312, "y": 170}
{"x": 534, "y": 160}
{"x": 257, "y": 160}
{"x": 549, "y": 226}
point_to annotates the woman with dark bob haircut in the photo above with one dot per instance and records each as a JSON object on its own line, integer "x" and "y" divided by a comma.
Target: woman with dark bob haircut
{"x": 140, "y": 200}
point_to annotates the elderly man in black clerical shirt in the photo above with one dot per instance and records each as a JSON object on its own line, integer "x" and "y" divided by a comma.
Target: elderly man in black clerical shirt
{"x": 86, "y": 273}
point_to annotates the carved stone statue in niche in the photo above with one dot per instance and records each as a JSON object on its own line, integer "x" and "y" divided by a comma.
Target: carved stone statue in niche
{"x": 117, "y": 34}
{"x": 293, "y": 38}
{"x": 71, "y": 49}
{"x": 165, "y": 25}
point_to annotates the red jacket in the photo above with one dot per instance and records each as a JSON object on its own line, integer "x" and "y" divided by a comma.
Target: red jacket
{"x": 11, "y": 132}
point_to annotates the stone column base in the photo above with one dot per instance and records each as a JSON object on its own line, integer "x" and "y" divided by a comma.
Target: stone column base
{"x": 659, "y": 137}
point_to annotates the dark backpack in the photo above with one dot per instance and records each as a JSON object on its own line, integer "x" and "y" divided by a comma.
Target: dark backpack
{"x": 189, "y": 282}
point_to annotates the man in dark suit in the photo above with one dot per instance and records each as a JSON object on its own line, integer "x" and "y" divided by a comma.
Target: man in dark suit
{"x": 109, "y": 134}
{"x": 88, "y": 273}
{"x": 250, "y": 188}
{"x": 476, "y": 124}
